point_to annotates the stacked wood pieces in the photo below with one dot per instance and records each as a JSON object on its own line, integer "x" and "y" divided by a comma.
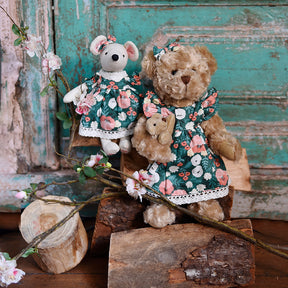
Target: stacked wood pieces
{"x": 63, "y": 249}
{"x": 182, "y": 255}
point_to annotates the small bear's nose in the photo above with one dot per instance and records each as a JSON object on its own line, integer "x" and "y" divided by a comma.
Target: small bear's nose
{"x": 185, "y": 79}
{"x": 115, "y": 57}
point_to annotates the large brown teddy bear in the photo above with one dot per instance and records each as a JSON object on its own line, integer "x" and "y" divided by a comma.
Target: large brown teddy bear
{"x": 197, "y": 175}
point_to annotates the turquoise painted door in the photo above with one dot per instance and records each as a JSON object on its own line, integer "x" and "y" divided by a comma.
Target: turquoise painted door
{"x": 248, "y": 38}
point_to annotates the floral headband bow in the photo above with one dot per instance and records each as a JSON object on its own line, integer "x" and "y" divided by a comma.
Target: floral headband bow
{"x": 102, "y": 44}
{"x": 159, "y": 51}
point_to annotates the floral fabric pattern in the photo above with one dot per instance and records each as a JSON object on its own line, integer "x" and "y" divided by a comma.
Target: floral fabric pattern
{"x": 197, "y": 174}
{"x": 109, "y": 109}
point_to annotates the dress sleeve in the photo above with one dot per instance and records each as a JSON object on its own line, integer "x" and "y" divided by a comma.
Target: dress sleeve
{"x": 208, "y": 105}
{"x": 151, "y": 104}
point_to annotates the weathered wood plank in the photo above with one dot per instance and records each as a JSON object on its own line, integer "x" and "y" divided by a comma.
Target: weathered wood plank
{"x": 181, "y": 256}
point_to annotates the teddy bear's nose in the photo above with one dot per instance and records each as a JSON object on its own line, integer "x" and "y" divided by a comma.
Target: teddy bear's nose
{"x": 185, "y": 79}
{"x": 115, "y": 57}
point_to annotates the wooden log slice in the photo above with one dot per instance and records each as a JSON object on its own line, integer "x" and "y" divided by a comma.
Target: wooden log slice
{"x": 181, "y": 256}
{"x": 63, "y": 249}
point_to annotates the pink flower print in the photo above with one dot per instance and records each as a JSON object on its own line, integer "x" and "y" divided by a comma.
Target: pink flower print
{"x": 165, "y": 112}
{"x": 209, "y": 101}
{"x": 179, "y": 192}
{"x": 222, "y": 176}
{"x": 166, "y": 187}
{"x": 123, "y": 100}
{"x": 149, "y": 94}
{"x": 197, "y": 144}
{"x": 82, "y": 109}
{"x": 107, "y": 123}
{"x": 149, "y": 109}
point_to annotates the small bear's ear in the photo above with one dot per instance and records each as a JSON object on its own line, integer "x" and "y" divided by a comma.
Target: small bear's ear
{"x": 96, "y": 43}
{"x": 211, "y": 61}
{"x": 148, "y": 64}
{"x": 132, "y": 50}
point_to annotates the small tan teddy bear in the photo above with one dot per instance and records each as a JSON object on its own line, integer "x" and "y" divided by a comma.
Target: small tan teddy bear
{"x": 196, "y": 175}
{"x": 155, "y": 131}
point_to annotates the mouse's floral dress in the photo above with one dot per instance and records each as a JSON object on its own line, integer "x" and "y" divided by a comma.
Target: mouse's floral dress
{"x": 110, "y": 106}
{"x": 196, "y": 174}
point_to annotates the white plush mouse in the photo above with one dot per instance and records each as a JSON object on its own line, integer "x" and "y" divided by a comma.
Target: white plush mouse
{"x": 109, "y": 101}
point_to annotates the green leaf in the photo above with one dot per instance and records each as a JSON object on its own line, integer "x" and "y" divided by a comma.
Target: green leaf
{"x": 16, "y": 30}
{"x": 104, "y": 160}
{"x": 29, "y": 252}
{"x": 44, "y": 91}
{"x": 34, "y": 186}
{"x": 62, "y": 116}
{"x": 6, "y": 256}
{"x": 99, "y": 170}
{"x": 28, "y": 190}
{"x": 17, "y": 42}
{"x": 82, "y": 178}
{"x": 67, "y": 124}
{"x": 89, "y": 172}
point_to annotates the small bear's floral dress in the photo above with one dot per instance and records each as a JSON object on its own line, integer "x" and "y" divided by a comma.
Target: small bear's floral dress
{"x": 196, "y": 174}
{"x": 110, "y": 106}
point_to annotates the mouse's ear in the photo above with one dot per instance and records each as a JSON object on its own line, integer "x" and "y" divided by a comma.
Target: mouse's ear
{"x": 98, "y": 44}
{"x": 211, "y": 61}
{"x": 148, "y": 64}
{"x": 132, "y": 50}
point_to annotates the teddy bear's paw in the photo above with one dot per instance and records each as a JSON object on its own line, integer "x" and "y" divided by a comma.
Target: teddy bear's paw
{"x": 209, "y": 208}
{"x": 231, "y": 149}
{"x": 109, "y": 147}
{"x": 159, "y": 216}
{"x": 125, "y": 145}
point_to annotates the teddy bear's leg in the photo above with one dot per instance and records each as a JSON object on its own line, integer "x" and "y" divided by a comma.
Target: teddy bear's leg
{"x": 109, "y": 147}
{"x": 159, "y": 216}
{"x": 210, "y": 208}
{"x": 125, "y": 144}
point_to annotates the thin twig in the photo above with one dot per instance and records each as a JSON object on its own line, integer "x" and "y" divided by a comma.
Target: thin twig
{"x": 39, "y": 238}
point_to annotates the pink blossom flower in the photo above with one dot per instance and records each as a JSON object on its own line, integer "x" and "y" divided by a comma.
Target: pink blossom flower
{"x": 107, "y": 123}
{"x": 94, "y": 160}
{"x": 8, "y": 272}
{"x": 149, "y": 109}
{"x": 21, "y": 195}
{"x": 51, "y": 62}
{"x": 166, "y": 187}
{"x": 33, "y": 45}
{"x": 134, "y": 188}
{"x": 222, "y": 176}
{"x": 123, "y": 100}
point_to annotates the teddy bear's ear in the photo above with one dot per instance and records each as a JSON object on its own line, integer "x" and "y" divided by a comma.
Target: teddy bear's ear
{"x": 132, "y": 50}
{"x": 211, "y": 61}
{"x": 148, "y": 64}
{"x": 94, "y": 47}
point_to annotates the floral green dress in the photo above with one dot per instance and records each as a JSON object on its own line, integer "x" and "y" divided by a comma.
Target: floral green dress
{"x": 197, "y": 174}
{"x": 110, "y": 106}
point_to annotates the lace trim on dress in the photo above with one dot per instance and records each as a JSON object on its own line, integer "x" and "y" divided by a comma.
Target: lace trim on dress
{"x": 196, "y": 197}
{"x": 113, "y": 76}
{"x": 95, "y": 132}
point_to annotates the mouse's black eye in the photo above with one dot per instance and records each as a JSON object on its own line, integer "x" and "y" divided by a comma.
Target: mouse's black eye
{"x": 123, "y": 56}
{"x": 173, "y": 72}
{"x": 106, "y": 53}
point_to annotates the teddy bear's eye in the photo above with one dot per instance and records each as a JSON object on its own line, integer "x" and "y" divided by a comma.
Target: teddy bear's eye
{"x": 193, "y": 69}
{"x": 173, "y": 72}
